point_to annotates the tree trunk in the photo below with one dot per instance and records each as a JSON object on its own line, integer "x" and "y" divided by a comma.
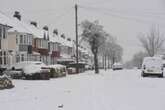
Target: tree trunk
{"x": 96, "y": 62}
{"x": 105, "y": 62}
{"x": 113, "y": 60}
{"x": 108, "y": 62}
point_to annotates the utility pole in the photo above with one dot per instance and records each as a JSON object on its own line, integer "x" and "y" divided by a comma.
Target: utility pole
{"x": 76, "y": 27}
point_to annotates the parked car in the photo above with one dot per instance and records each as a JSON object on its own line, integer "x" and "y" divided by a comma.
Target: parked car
{"x": 163, "y": 63}
{"x": 14, "y": 74}
{"x": 88, "y": 67}
{"x": 117, "y": 66}
{"x": 152, "y": 66}
{"x": 57, "y": 70}
{"x": 71, "y": 70}
{"x": 32, "y": 69}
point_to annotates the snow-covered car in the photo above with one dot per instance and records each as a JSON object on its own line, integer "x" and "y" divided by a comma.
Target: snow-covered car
{"x": 117, "y": 66}
{"x": 152, "y": 66}
{"x": 14, "y": 74}
{"x": 88, "y": 67}
{"x": 32, "y": 69}
{"x": 71, "y": 70}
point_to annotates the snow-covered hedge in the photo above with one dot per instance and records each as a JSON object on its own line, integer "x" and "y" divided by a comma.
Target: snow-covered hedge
{"x": 5, "y": 82}
{"x": 57, "y": 70}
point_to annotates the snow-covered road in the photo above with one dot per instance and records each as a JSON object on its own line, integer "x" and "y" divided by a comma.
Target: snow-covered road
{"x": 110, "y": 90}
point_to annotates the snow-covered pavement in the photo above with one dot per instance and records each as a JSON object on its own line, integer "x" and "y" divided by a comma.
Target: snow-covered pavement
{"x": 110, "y": 90}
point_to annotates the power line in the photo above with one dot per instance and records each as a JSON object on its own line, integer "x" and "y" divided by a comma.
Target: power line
{"x": 108, "y": 12}
{"x": 150, "y": 13}
{"x": 60, "y": 17}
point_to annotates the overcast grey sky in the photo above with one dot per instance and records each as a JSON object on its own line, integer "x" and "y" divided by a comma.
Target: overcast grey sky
{"x": 124, "y": 19}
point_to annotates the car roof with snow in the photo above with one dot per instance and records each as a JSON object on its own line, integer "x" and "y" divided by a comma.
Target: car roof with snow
{"x": 117, "y": 64}
{"x": 151, "y": 58}
{"x": 152, "y": 61}
{"x": 26, "y": 63}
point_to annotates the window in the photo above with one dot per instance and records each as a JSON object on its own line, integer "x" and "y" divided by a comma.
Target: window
{"x": 0, "y": 32}
{"x": 41, "y": 43}
{"x": 4, "y": 32}
{"x": 1, "y": 58}
{"x": 56, "y": 47}
{"x": 25, "y": 39}
{"x": 44, "y": 36}
{"x": 5, "y": 58}
{"x": 21, "y": 39}
{"x": 30, "y": 40}
{"x": 16, "y": 39}
{"x": 17, "y": 58}
{"x": 22, "y": 57}
{"x": 38, "y": 43}
{"x": 0, "y": 43}
{"x": 23, "y": 48}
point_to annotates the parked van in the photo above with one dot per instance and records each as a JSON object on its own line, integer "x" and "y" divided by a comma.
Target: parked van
{"x": 152, "y": 66}
{"x": 117, "y": 66}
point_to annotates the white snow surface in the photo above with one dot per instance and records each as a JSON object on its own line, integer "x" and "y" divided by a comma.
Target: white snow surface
{"x": 110, "y": 90}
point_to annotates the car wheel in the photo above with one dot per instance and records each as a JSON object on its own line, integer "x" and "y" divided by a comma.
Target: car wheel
{"x": 143, "y": 74}
{"x": 161, "y": 75}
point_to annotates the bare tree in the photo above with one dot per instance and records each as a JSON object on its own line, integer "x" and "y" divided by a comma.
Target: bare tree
{"x": 152, "y": 42}
{"x": 111, "y": 52}
{"x": 138, "y": 59}
{"x": 94, "y": 34}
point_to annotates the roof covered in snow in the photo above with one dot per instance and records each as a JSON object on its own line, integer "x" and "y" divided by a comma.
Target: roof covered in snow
{"x": 62, "y": 41}
{"x": 55, "y": 38}
{"x": 18, "y": 26}
{"x": 4, "y": 20}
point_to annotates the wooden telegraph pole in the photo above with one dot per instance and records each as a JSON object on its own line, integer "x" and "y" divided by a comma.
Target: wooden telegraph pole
{"x": 76, "y": 27}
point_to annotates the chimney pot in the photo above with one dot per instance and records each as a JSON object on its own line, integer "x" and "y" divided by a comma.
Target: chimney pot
{"x": 46, "y": 28}
{"x": 33, "y": 23}
{"x": 17, "y": 15}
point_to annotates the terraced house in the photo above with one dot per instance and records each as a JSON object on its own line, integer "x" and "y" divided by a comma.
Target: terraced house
{"x": 20, "y": 41}
{"x": 40, "y": 43}
{"x": 26, "y": 42}
{"x": 66, "y": 50}
{"x": 5, "y": 25}
{"x": 54, "y": 47}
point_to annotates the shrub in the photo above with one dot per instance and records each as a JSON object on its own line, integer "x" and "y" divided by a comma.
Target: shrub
{"x": 54, "y": 73}
{"x": 5, "y": 82}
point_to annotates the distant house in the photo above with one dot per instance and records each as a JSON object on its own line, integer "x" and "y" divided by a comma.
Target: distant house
{"x": 66, "y": 51}
{"x": 40, "y": 44}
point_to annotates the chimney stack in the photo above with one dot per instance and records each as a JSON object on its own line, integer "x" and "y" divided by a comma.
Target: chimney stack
{"x": 47, "y": 35}
{"x": 69, "y": 39}
{"x": 55, "y": 31}
{"x": 46, "y": 28}
{"x": 17, "y": 15}
{"x": 63, "y": 36}
{"x": 33, "y": 23}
